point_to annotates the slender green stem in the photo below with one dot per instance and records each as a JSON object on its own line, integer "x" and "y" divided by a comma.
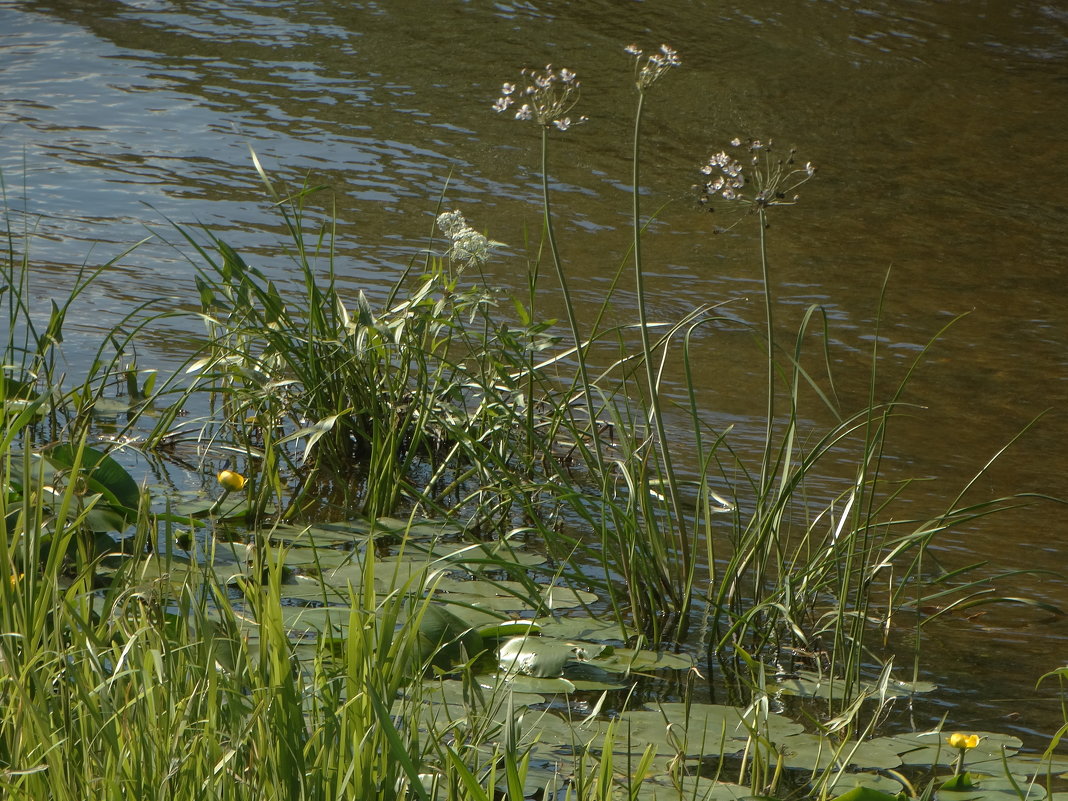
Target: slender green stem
{"x": 580, "y": 349}
{"x": 643, "y": 325}
{"x": 764, "y": 501}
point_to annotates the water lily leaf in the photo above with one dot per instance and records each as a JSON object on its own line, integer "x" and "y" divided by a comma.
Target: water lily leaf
{"x": 990, "y": 788}
{"x": 507, "y": 595}
{"x": 543, "y": 686}
{"x": 582, "y": 627}
{"x": 809, "y": 684}
{"x": 473, "y": 557}
{"x": 814, "y": 751}
{"x": 629, "y": 659}
{"x": 690, "y": 788}
{"x": 495, "y": 692}
{"x": 556, "y": 734}
{"x": 111, "y": 408}
{"x": 542, "y": 657}
{"x": 865, "y": 787}
{"x": 930, "y": 748}
{"x": 1037, "y": 765}
{"x": 346, "y": 534}
{"x": 705, "y": 730}
{"x": 234, "y": 507}
{"x": 446, "y": 640}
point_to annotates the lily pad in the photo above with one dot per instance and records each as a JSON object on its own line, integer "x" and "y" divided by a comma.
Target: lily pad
{"x": 991, "y": 788}
{"x": 688, "y": 788}
{"x": 699, "y": 730}
{"x": 931, "y": 748}
{"x": 814, "y": 751}
{"x": 809, "y": 684}
{"x": 583, "y": 627}
{"x": 630, "y": 659}
{"x": 543, "y": 657}
{"x": 878, "y": 787}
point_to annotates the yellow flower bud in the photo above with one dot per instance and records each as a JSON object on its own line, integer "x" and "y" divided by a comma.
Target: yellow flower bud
{"x": 962, "y": 741}
{"x": 231, "y": 481}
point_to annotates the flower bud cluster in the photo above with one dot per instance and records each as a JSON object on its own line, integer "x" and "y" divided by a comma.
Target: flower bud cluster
{"x": 545, "y": 97}
{"x": 649, "y": 71}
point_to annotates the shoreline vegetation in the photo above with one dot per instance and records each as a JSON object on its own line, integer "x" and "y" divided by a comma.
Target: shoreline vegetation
{"x": 450, "y": 549}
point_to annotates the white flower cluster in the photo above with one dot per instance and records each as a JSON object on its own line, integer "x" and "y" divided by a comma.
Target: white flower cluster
{"x": 468, "y": 245}
{"x": 728, "y": 178}
{"x": 546, "y": 98}
{"x": 773, "y": 180}
{"x": 653, "y": 68}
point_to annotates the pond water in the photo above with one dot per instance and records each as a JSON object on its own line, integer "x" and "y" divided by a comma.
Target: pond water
{"x": 938, "y": 129}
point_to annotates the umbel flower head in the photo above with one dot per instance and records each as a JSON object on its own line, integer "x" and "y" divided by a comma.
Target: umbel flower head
{"x": 468, "y": 245}
{"x": 752, "y": 176}
{"x": 546, "y": 97}
{"x": 653, "y": 67}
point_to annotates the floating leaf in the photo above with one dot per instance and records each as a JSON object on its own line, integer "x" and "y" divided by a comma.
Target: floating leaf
{"x": 698, "y": 730}
{"x": 809, "y": 684}
{"x": 866, "y": 792}
{"x": 629, "y": 659}
{"x": 931, "y": 748}
{"x": 582, "y": 627}
{"x": 814, "y": 751}
{"x": 990, "y": 788}
{"x": 542, "y": 657}
{"x": 446, "y": 640}
{"x": 690, "y": 788}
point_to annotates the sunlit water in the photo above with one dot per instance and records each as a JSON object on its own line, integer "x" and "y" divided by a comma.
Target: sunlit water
{"x": 937, "y": 127}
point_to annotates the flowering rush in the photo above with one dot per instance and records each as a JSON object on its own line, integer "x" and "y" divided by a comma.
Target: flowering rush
{"x": 771, "y": 181}
{"x": 545, "y": 96}
{"x": 653, "y": 67}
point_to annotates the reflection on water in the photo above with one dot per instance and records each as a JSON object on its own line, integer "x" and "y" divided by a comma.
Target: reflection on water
{"x": 937, "y": 127}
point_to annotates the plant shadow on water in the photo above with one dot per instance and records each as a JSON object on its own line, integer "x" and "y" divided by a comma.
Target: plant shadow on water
{"x": 451, "y": 553}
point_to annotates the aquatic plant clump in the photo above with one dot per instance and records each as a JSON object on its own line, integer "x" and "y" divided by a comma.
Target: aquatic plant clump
{"x": 556, "y": 602}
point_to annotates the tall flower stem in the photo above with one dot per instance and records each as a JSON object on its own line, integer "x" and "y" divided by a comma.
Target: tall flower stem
{"x": 656, "y": 412}
{"x": 765, "y": 468}
{"x": 580, "y": 350}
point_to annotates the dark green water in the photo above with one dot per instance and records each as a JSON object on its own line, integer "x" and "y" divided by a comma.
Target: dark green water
{"x": 938, "y": 129}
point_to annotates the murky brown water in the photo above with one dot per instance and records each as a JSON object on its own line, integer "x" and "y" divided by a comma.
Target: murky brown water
{"x": 938, "y": 129}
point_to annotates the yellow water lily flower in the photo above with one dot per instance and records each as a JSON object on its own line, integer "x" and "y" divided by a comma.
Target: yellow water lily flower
{"x": 231, "y": 481}
{"x": 962, "y": 741}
